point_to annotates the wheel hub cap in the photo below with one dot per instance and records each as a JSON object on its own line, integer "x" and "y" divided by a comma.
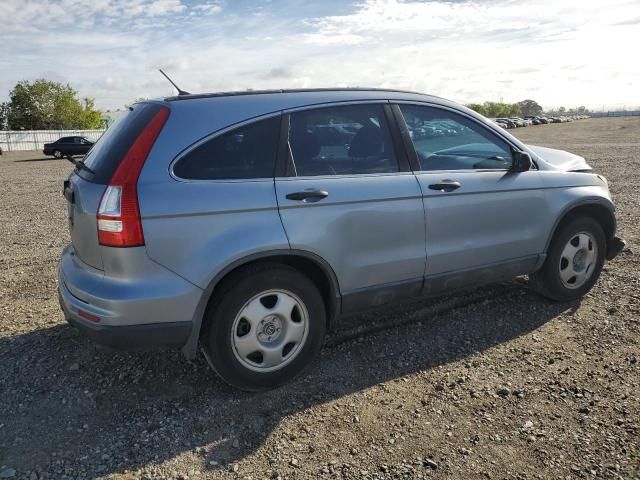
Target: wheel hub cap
{"x": 578, "y": 260}
{"x": 270, "y": 330}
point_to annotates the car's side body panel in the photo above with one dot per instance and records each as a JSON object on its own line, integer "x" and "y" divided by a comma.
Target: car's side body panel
{"x": 494, "y": 217}
{"x": 218, "y": 223}
{"x": 370, "y": 228}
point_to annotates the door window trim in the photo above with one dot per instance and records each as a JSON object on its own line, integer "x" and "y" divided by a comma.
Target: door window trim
{"x": 285, "y": 166}
{"x": 410, "y": 149}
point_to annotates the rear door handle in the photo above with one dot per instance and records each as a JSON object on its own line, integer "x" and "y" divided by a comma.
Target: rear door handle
{"x": 308, "y": 195}
{"x": 445, "y": 186}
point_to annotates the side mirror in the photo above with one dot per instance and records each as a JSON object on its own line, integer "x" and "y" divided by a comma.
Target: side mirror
{"x": 521, "y": 162}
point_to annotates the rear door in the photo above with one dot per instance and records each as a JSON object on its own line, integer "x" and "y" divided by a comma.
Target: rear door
{"x": 479, "y": 214}
{"x": 349, "y": 196}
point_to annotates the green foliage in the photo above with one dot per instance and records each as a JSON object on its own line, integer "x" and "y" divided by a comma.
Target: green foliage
{"x": 4, "y": 114}
{"x": 530, "y": 108}
{"x": 496, "y": 109}
{"x": 45, "y": 105}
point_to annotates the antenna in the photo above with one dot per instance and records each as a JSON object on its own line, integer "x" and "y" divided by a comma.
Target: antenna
{"x": 180, "y": 92}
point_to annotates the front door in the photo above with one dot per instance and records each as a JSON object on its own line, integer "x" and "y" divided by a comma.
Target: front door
{"x": 351, "y": 201}
{"x": 480, "y": 216}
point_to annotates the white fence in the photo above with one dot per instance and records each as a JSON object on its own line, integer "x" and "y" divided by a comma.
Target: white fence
{"x": 13, "y": 140}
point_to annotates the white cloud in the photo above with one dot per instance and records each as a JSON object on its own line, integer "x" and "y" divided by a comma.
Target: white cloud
{"x": 208, "y": 8}
{"x": 571, "y": 52}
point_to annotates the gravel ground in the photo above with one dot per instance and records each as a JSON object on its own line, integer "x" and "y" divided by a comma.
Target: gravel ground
{"x": 495, "y": 383}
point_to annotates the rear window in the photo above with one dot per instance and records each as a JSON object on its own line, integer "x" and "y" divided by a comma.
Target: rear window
{"x": 243, "y": 153}
{"x": 106, "y": 154}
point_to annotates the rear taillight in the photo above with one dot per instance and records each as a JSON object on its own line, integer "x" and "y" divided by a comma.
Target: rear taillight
{"x": 118, "y": 216}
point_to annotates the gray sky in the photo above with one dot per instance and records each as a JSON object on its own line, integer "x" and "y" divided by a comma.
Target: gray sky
{"x": 558, "y": 52}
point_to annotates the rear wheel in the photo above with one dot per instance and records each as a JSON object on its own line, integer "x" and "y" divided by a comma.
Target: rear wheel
{"x": 574, "y": 261}
{"x": 264, "y": 327}
{"x": 57, "y": 154}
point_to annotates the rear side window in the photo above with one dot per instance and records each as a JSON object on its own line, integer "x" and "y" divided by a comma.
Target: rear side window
{"x": 243, "y": 153}
{"x": 342, "y": 140}
{"x": 106, "y": 154}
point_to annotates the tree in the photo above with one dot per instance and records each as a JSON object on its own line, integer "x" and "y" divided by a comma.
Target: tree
{"x": 530, "y": 108}
{"x": 44, "y": 105}
{"x": 496, "y": 109}
{"x": 477, "y": 107}
{"x": 4, "y": 113}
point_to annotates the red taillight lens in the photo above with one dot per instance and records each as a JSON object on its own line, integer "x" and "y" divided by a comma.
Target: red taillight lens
{"x": 89, "y": 316}
{"x": 118, "y": 216}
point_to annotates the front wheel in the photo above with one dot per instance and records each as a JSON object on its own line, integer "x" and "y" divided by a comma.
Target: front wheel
{"x": 57, "y": 154}
{"x": 264, "y": 326}
{"x": 574, "y": 261}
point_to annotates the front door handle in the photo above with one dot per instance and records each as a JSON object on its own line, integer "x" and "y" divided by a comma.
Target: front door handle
{"x": 308, "y": 195}
{"x": 445, "y": 186}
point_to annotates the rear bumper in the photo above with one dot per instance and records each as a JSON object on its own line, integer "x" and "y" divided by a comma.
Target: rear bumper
{"x": 152, "y": 311}
{"x": 135, "y": 337}
{"x": 614, "y": 247}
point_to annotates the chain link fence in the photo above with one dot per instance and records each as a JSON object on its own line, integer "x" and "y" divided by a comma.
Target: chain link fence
{"x": 15, "y": 140}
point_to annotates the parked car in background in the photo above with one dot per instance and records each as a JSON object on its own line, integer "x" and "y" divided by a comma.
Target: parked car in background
{"x": 68, "y": 146}
{"x": 510, "y": 123}
{"x": 242, "y": 224}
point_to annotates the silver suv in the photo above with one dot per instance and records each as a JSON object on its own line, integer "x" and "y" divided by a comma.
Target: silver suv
{"x": 246, "y": 223}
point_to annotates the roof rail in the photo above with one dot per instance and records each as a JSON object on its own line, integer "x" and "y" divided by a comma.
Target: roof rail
{"x": 186, "y": 96}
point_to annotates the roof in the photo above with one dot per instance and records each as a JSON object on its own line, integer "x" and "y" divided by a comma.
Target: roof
{"x": 286, "y": 91}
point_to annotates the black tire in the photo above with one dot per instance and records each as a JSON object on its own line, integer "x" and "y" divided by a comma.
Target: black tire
{"x": 57, "y": 154}
{"x": 227, "y": 303}
{"x": 548, "y": 282}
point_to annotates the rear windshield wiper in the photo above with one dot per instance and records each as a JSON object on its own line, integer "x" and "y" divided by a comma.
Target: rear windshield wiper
{"x": 79, "y": 164}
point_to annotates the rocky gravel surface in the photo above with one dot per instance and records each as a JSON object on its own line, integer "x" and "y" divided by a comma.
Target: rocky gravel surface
{"x": 496, "y": 383}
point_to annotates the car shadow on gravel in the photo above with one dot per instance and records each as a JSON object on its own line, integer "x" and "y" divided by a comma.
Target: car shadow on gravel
{"x": 65, "y": 402}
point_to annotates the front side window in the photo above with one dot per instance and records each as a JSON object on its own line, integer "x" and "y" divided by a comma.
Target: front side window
{"x": 444, "y": 140}
{"x": 346, "y": 140}
{"x": 244, "y": 153}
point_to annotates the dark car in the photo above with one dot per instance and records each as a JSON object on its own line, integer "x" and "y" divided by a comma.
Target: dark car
{"x": 510, "y": 123}
{"x": 68, "y": 146}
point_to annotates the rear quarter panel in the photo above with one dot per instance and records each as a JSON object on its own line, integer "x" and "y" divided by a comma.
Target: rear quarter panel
{"x": 197, "y": 228}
